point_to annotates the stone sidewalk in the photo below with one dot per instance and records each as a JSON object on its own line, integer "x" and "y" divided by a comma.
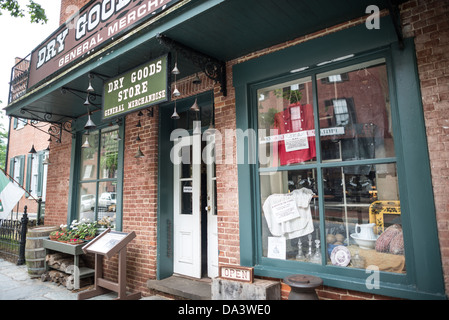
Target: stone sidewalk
{"x": 15, "y": 284}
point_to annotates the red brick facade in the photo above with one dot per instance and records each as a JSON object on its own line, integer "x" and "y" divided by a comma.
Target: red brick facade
{"x": 426, "y": 20}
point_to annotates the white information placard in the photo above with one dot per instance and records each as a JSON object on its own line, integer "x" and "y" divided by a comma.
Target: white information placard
{"x": 108, "y": 241}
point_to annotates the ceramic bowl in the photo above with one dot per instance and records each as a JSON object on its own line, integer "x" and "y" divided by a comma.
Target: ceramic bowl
{"x": 364, "y": 243}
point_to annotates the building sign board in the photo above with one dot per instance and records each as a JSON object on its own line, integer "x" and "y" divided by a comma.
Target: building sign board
{"x": 237, "y": 273}
{"x": 136, "y": 89}
{"x": 96, "y": 25}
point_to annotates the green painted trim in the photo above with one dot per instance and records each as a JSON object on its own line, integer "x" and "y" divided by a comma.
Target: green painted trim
{"x": 424, "y": 277}
{"x": 165, "y": 197}
{"x": 417, "y": 173}
{"x": 165, "y": 232}
{"x": 74, "y": 172}
{"x": 350, "y": 41}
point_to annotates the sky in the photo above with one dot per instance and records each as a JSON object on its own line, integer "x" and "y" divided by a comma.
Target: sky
{"x": 19, "y": 37}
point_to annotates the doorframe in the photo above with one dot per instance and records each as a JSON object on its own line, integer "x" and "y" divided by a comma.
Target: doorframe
{"x": 165, "y": 241}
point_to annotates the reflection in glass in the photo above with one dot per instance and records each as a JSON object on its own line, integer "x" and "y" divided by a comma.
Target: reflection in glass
{"x": 87, "y": 201}
{"x": 107, "y": 199}
{"x": 290, "y": 224}
{"x": 355, "y": 113}
{"x": 109, "y": 153}
{"x": 89, "y": 157}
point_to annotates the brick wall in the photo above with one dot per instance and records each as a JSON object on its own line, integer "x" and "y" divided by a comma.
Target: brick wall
{"x": 140, "y": 197}
{"x": 58, "y": 181}
{"x": 227, "y": 176}
{"x": 70, "y": 7}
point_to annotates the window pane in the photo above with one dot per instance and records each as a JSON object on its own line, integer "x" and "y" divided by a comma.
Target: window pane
{"x": 186, "y": 197}
{"x": 187, "y": 159}
{"x": 107, "y": 200}
{"x": 286, "y": 124}
{"x": 355, "y": 113}
{"x": 109, "y": 153}
{"x": 87, "y": 201}
{"x": 89, "y": 157}
{"x": 290, "y": 217}
{"x": 363, "y": 217}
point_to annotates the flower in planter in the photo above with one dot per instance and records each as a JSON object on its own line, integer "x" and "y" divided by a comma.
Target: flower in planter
{"x": 82, "y": 229}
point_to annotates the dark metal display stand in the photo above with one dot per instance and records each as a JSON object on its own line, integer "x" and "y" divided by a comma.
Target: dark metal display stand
{"x": 107, "y": 245}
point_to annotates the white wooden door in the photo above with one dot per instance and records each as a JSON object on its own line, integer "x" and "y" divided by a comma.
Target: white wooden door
{"x": 212, "y": 223}
{"x": 186, "y": 159}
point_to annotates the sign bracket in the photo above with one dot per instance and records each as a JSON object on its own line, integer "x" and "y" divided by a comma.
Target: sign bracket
{"x": 212, "y": 68}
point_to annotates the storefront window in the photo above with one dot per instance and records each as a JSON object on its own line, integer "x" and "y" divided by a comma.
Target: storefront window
{"x": 97, "y": 191}
{"x": 334, "y": 201}
{"x": 290, "y": 228}
{"x": 286, "y": 124}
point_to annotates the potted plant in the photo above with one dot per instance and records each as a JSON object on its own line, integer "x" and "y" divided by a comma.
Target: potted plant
{"x": 84, "y": 229}
{"x": 55, "y": 235}
{"x": 75, "y": 241}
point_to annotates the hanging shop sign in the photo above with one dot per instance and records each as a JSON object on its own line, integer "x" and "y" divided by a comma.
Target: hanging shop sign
{"x": 136, "y": 89}
{"x": 95, "y": 26}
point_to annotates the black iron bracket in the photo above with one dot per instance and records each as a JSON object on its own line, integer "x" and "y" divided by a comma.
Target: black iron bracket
{"x": 213, "y": 68}
{"x": 56, "y": 128}
{"x": 395, "y": 15}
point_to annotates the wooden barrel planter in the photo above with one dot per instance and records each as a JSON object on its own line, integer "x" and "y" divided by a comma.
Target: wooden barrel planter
{"x": 34, "y": 249}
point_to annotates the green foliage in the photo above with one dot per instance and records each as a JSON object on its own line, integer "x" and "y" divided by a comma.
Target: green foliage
{"x": 3, "y": 142}
{"x": 35, "y": 10}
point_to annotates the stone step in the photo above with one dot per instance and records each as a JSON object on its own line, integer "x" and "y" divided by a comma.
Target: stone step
{"x": 186, "y": 288}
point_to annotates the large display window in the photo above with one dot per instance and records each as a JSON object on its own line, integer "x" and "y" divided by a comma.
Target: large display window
{"x": 98, "y": 169}
{"x": 346, "y": 170}
{"x": 359, "y": 173}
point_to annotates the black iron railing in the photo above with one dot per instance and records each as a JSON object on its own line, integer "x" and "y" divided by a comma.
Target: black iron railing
{"x": 19, "y": 79}
{"x": 13, "y": 239}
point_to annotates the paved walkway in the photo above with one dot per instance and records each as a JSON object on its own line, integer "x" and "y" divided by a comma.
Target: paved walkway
{"x": 15, "y": 284}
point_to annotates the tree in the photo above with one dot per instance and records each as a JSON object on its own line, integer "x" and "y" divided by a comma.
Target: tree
{"x": 3, "y": 141}
{"x": 37, "y": 13}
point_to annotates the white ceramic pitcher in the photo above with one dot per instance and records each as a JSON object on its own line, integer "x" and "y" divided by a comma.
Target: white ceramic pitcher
{"x": 366, "y": 231}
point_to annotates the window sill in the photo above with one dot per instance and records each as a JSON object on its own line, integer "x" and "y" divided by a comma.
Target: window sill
{"x": 388, "y": 289}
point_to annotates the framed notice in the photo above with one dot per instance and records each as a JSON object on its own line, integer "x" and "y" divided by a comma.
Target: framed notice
{"x": 109, "y": 242}
{"x": 277, "y": 248}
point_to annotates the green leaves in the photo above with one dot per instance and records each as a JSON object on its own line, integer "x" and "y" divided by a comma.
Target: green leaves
{"x": 35, "y": 10}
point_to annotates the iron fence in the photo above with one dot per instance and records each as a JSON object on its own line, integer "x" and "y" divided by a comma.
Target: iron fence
{"x": 13, "y": 239}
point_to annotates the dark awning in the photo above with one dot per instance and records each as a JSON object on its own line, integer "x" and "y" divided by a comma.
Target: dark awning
{"x": 221, "y": 29}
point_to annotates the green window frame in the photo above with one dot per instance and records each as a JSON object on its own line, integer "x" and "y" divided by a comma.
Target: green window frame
{"x": 12, "y": 168}
{"x": 424, "y": 278}
{"x": 39, "y": 157}
{"x": 76, "y": 178}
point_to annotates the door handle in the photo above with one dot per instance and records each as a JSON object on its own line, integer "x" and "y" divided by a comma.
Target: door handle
{"x": 208, "y": 208}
